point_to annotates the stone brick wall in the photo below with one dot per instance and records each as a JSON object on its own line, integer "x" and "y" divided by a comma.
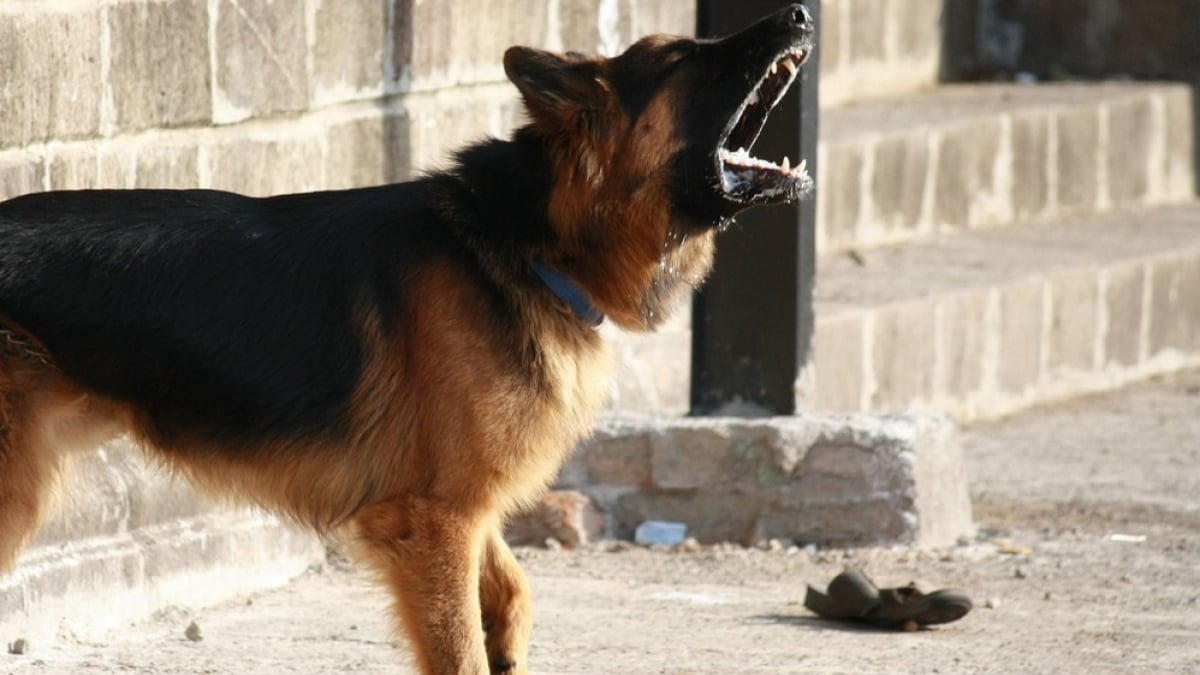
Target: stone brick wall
{"x": 875, "y": 48}
{"x": 270, "y": 96}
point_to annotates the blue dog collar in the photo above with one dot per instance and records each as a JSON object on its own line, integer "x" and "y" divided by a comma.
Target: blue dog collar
{"x": 570, "y": 293}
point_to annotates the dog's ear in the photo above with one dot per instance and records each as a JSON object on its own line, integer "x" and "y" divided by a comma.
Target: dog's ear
{"x": 555, "y": 88}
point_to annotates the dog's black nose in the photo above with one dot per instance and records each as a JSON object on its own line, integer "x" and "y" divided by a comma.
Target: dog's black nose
{"x": 799, "y": 17}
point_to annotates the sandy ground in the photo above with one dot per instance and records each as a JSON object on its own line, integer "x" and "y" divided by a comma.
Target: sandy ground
{"x": 1088, "y": 561}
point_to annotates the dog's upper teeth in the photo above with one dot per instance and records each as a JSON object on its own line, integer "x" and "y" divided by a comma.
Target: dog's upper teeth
{"x": 790, "y": 65}
{"x": 774, "y": 67}
{"x": 753, "y": 99}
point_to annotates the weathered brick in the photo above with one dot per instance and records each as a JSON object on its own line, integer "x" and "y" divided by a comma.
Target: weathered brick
{"x": 966, "y": 170}
{"x": 1078, "y": 157}
{"x": 81, "y": 166}
{"x": 842, "y": 167}
{"x": 1031, "y": 149}
{"x": 50, "y": 62}
{"x": 263, "y": 167}
{"x": 830, "y": 38}
{"x": 838, "y": 357}
{"x": 464, "y": 42}
{"x": 20, "y": 173}
{"x": 1020, "y": 335}
{"x": 673, "y": 17}
{"x": 868, "y": 25}
{"x": 963, "y": 325}
{"x": 904, "y": 355}
{"x": 1073, "y": 327}
{"x": 595, "y": 26}
{"x": 705, "y": 456}
{"x": 917, "y": 26}
{"x": 1123, "y": 297}
{"x": 160, "y": 63}
{"x": 261, "y": 51}
{"x": 898, "y": 183}
{"x": 167, "y": 166}
{"x": 1180, "y": 153}
{"x": 367, "y": 151}
{"x": 1175, "y": 299}
{"x": 619, "y": 454}
{"x": 709, "y": 515}
{"x": 348, "y": 53}
{"x": 441, "y": 125}
{"x": 563, "y": 515}
{"x": 1131, "y": 135}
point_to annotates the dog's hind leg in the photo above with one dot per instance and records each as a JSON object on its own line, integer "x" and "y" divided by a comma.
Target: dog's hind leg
{"x": 428, "y": 553}
{"x": 507, "y": 607}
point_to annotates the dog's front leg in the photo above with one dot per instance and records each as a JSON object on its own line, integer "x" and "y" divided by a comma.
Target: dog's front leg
{"x": 429, "y": 555}
{"x": 507, "y": 607}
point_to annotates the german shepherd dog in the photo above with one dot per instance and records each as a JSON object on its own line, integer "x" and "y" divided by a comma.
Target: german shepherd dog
{"x": 402, "y": 365}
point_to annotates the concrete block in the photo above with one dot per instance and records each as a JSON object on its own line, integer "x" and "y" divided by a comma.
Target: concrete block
{"x": 966, "y": 171}
{"x": 80, "y": 166}
{"x": 868, "y": 26}
{"x": 1031, "y": 165}
{"x": 617, "y": 454}
{"x": 1020, "y": 335}
{"x": 454, "y": 43}
{"x": 159, "y": 71}
{"x": 845, "y": 479}
{"x": 830, "y": 36}
{"x": 843, "y": 167}
{"x": 1175, "y": 305}
{"x": 1073, "y": 322}
{"x": 50, "y": 58}
{"x": 566, "y": 516}
{"x": 1079, "y": 158}
{"x": 673, "y": 17}
{"x": 1123, "y": 299}
{"x": 898, "y": 181}
{"x": 1132, "y": 137}
{"x": 348, "y": 49}
{"x": 962, "y": 327}
{"x": 265, "y": 166}
{"x": 20, "y": 173}
{"x": 161, "y": 165}
{"x": 1180, "y": 151}
{"x": 261, "y": 57}
{"x": 367, "y": 151}
{"x": 441, "y": 124}
{"x": 839, "y": 360}
{"x": 904, "y": 355}
{"x": 127, "y": 540}
{"x": 917, "y": 28}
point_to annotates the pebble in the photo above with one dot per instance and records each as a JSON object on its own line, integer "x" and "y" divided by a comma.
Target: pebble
{"x": 18, "y": 646}
{"x": 552, "y": 544}
{"x": 192, "y": 632}
{"x": 1019, "y": 573}
{"x": 992, "y": 603}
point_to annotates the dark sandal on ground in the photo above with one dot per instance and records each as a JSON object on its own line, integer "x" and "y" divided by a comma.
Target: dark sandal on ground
{"x": 852, "y": 596}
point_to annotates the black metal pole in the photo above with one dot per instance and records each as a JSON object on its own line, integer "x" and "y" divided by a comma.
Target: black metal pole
{"x": 752, "y": 322}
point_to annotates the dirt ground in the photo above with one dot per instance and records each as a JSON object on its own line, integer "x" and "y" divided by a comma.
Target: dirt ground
{"x": 1088, "y": 561}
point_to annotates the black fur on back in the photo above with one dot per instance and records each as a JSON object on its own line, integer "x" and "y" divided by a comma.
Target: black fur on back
{"x": 230, "y": 317}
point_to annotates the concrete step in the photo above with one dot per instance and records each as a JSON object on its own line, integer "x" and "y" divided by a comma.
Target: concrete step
{"x": 962, "y": 157}
{"x": 125, "y": 540}
{"x": 978, "y": 324}
{"x": 874, "y": 48}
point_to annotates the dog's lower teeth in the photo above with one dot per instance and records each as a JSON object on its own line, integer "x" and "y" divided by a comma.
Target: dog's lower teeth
{"x": 790, "y": 65}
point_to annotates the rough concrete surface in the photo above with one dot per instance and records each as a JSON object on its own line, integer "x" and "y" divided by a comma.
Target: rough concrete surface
{"x": 1086, "y": 563}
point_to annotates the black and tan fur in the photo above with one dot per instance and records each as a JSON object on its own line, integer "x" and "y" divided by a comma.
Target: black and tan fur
{"x": 385, "y": 363}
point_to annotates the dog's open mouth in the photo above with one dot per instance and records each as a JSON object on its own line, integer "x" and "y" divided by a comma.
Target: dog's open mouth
{"x": 746, "y": 178}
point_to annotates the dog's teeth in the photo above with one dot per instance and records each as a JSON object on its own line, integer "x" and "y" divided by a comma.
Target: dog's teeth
{"x": 786, "y": 165}
{"x": 753, "y": 99}
{"x": 774, "y": 67}
{"x": 790, "y": 65}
